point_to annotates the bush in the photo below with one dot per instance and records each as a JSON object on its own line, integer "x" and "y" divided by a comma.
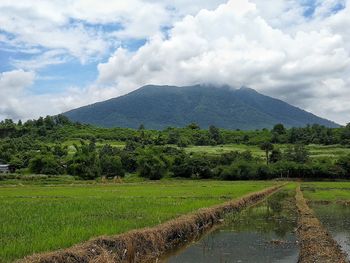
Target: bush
{"x": 181, "y": 167}
{"x": 197, "y": 166}
{"x": 45, "y": 164}
{"x": 240, "y": 170}
{"x": 263, "y": 172}
{"x": 85, "y": 163}
{"x": 152, "y": 165}
{"x": 344, "y": 163}
{"x": 111, "y": 166}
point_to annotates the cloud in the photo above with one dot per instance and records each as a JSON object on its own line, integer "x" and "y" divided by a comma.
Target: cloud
{"x": 293, "y": 51}
{"x": 78, "y": 26}
{"x": 13, "y": 82}
{"x": 235, "y": 45}
{"x": 12, "y": 86}
{"x": 89, "y": 28}
{"x": 19, "y": 103}
{"x": 48, "y": 58}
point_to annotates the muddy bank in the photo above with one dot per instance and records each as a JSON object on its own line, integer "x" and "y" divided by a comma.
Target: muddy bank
{"x": 150, "y": 243}
{"x": 316, "y": 245}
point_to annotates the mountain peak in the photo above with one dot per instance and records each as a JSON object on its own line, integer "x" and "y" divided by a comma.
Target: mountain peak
{"x": 247, "y": 89}
{"x": 158, "y": 107}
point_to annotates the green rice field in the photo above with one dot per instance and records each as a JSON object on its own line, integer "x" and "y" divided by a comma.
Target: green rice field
{"x": 316, "y": 151}
{"x": 327, "y": 191}
{"x": 36, "y": 218}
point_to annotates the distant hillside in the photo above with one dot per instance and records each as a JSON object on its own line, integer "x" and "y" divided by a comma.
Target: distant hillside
{"x": 158, "y": 107}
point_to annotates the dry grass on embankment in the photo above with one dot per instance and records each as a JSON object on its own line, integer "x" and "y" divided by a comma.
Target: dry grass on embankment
{"x": 150, "y": 243}
{"x": 316, "y": 244}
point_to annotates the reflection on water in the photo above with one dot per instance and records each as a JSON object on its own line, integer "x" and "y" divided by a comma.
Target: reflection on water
{"x": 264, "y": 233}
{"x": 336, "y": 218}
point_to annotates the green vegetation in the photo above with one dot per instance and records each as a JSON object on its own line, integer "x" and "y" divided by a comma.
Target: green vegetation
{"x": 62, "y": 191}
{"x": 315, "y": 150}
{"x": 327, "y": 191}
{"x": 42, "y": 218}
{"x": 56, "y": 146}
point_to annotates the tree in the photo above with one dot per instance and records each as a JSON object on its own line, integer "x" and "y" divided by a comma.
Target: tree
{"x": 49, "y": 122}
{"x": 301, "y": 154}
{"x": 129, "y": 161}
{"x": 275, "y": 156}
{"x": 62, "y": 120}
{"x": 193, "y": 126}
{"x": 85, "y": 162}
{"x": 131, "y": 146}
{"x": 151, "y": 165}
{"x": 173, "y": 136}
{"x": 110, "y": 161}
{"x": 298, "y": 154}
{"x": 181, "y": 167}
{"x": 200, "y": 167}
{"x": 111, "y": 166}
{"x": 183, "y": 141}
{"x": 214, "y": 134}
{"x": 45, "y": 163}
{"x": 344, "y": 163}
{"x": 345, "y": 134}
{"x": 240, "y": 170}
{"x": 279, "y": 129}
{"x": 267, "y": 147}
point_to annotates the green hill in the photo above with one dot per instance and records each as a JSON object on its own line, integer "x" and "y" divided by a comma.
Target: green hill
{"x": 158, "y": 107}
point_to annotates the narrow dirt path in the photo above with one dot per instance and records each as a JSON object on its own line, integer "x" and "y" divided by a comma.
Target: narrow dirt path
{"x": 316, "y": 244}
{"x": 149, "y": 244}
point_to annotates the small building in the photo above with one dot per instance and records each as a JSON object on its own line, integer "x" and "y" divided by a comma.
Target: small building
{"x": 4, "y": 168}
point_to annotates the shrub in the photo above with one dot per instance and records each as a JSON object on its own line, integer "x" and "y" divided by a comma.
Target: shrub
{"x": 240, "y": 170}
{"x": 111, "y": 166}
{"x": 344, "y": 163}
{"x": 45, "y": 164}
{"x": 152, "y": 165}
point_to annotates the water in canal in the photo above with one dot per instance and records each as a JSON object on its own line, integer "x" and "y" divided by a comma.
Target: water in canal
{"x": 263, "y": 233}
{"x": 336, "y": 218}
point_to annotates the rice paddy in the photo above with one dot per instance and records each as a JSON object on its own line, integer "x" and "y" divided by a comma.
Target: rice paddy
{"x": 37, "y": 218}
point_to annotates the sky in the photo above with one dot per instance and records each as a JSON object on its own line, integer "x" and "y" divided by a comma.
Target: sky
{"x": 57, "y": 55}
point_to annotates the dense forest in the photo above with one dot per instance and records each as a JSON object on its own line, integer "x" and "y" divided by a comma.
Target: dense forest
{"x": 55, "y": 146}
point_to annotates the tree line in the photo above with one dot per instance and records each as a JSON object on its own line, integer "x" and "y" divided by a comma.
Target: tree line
{"x": 58, "y": 128}
{"x": 38, "y": 146}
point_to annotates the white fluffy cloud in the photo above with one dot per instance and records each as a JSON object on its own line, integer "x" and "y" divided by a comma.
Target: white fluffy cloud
{"x": 18, "y": 103}
{"x": 12, "y": 86}
{"x": 234, "y": 44}
{"x": 75, "y": 26}
{"x": 268, "y": 45}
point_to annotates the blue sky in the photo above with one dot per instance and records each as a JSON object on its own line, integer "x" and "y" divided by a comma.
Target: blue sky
{"x": 56, "y": 55}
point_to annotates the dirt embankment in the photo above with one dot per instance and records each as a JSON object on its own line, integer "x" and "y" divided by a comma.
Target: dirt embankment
{"x": 150, "y": 243}
{"x": 316, "y": 244}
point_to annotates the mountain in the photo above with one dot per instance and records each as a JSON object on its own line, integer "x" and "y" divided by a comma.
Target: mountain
{"x": 158, "y": 107}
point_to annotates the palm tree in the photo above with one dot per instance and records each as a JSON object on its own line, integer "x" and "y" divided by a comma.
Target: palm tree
{"x": 267, "y": 147}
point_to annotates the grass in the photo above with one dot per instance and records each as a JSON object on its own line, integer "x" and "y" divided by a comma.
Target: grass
{"x": 316, "y": 151}
{"x": 220, "y": 149}
{"x": 327, "y": 191}
{"x": 36, "y": 218}
{"x": 50, "y": 180}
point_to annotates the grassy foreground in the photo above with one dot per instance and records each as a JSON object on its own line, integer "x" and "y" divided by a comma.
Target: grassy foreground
{"x": 42, "y": 218}
{"x": 327, "y": 191}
